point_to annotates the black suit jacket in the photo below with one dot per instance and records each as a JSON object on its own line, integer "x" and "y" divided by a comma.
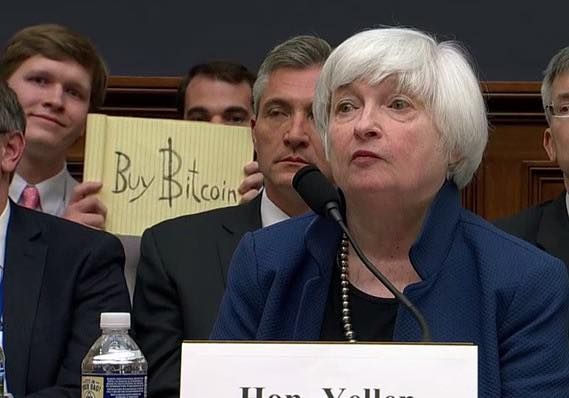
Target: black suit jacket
{"x": 545, "y": 226}
{"x": 58, "y": 277}
{"x": 180, "y": 283}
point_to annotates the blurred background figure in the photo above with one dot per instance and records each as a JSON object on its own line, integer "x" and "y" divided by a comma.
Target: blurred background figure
{"x": 547, "y": 225}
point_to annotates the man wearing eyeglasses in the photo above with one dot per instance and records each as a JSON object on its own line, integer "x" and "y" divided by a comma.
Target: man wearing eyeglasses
{"x": 547, "y": 225}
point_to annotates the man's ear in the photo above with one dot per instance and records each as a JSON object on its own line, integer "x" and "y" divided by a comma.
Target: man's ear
{"x": 253, "y": 137}
{"x": 549, "y": 145}
{"x": 12, "y": 149}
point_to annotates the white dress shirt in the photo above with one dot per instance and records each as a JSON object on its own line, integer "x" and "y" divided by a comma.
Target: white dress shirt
{"x": 270, "y": 212}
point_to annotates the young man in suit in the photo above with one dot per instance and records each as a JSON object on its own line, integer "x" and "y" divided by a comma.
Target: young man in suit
{"x": 57, "y": 277}
{"x": 59, "y": 77}
{"x": 182, "y": 272}
{"x": 547, "y": 224}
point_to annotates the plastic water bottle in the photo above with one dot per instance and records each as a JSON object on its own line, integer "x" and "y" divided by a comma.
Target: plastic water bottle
{"x": 114, "y": 367}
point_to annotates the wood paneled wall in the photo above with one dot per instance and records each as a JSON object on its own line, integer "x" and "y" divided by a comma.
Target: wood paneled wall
{"x": 514, "y": 173}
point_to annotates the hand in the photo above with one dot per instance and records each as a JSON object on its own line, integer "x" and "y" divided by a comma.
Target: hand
{"x": 85, "y": 207}
{"x": 252, "y": 183}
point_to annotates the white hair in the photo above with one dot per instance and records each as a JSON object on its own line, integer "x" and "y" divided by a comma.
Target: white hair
{"x": 437, "y": 74}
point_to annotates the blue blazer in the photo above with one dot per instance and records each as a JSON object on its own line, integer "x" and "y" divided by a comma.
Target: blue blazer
{"x": 478, "y": 285}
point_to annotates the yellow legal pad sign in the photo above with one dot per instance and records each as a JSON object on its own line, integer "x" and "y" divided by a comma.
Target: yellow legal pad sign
{"x": 155, "y": 169}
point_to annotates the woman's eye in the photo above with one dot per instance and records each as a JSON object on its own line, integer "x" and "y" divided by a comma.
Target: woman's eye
{"x": 344, "y": 107}
{"x": 399, "y": 104}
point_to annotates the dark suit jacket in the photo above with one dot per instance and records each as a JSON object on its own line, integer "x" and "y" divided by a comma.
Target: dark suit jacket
{"x": 58, "y": 277}
{"x": 545, "y": 226}
{"x": 180, "y": 282}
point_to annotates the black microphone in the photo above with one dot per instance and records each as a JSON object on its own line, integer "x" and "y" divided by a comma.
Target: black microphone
{"x": 321, "y": 196}
{"x": 317, "y": 192}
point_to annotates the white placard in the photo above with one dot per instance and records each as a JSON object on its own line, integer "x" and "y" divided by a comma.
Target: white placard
{"x": 328, "y": 370}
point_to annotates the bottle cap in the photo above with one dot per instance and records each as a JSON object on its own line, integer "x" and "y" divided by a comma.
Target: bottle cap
{"x": 115, "y": 320}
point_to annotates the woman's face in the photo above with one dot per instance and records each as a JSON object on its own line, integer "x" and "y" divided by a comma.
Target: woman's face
{"x": 383, "y": 141}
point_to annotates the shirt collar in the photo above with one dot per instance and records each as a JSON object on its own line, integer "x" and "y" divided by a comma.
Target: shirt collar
{"x": 270, "y": 212}
{"x": 52, "y": 191}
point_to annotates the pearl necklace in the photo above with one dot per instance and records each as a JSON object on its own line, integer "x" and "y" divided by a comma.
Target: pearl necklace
{"x": 345, "y": 289}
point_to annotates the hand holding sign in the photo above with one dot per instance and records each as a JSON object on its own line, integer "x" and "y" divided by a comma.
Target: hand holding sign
{"x": 85, "y": 207}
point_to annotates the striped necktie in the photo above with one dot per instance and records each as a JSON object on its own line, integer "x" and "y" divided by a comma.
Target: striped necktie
{"x": 30, "y": 198}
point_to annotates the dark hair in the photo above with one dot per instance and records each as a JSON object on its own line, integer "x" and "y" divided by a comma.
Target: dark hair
{"x": 225, "y": 71}
{"x": 58, "y": 43}
{"x": 12, "y": 116}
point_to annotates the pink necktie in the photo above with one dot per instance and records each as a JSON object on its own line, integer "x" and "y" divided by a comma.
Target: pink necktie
{"x": 30, "y": 198}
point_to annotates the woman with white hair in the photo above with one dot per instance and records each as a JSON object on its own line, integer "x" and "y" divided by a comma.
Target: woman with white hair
{"x": 404, "y": 126}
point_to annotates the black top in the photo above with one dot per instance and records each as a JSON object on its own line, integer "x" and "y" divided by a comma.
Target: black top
{"x": 373, "y": 318}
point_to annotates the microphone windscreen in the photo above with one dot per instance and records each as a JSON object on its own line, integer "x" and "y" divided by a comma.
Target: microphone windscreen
{"x": 315, "y": 189}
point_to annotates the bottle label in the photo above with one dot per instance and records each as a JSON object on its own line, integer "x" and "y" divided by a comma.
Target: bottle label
{"x": 113, "y": 386}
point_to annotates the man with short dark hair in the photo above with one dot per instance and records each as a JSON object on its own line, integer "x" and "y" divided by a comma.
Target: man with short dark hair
{"x": 56, "y": 278}
{"x": 217, "y": 92}
{"x": 184, "y": 261}
{"x": 547, "y": 225}
{"x": 222, "y": 92}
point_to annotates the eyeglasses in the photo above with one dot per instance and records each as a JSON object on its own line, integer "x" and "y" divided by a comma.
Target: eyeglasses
{"x": 560, "y": 111}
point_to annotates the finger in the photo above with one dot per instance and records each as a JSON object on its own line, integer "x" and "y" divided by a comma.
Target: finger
{"x": 252, "y": 182}
{"x": 251, "y": 167}
{"x": 85, "y": 189}
{"x": 89, "y": 204}
{"x": 249, "y": 196}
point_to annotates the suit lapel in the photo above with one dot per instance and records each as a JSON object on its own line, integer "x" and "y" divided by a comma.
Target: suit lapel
{"x": 23, "y": 274}
{"x": 553, "y": 229}
{"x": 248, "y": 218}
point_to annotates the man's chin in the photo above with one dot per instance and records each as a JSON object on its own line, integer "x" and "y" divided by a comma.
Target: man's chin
{"x": 283, "y": 179}
{"x": 42, "y": 148}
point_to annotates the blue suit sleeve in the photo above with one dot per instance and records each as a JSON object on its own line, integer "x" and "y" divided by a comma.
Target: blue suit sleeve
{"x": 242, "y": 305}
{"x": 534, "y": 338}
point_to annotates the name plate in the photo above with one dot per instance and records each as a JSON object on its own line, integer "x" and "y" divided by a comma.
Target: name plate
{"x": 328, "y": 370}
